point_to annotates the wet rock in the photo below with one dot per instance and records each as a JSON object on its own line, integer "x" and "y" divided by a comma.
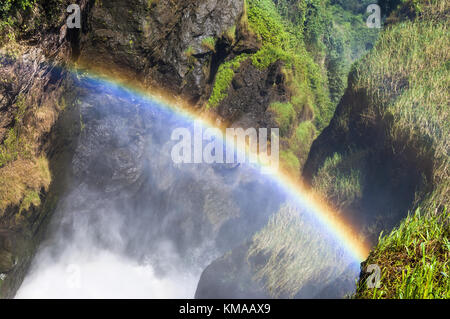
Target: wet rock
{"x": 163, "y": 41}
{"x": 229, "y": 277}
{"x": 251, "y": 93}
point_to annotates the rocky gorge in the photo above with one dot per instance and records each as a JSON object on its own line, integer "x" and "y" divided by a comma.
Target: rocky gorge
{"x": 77, "y": 152}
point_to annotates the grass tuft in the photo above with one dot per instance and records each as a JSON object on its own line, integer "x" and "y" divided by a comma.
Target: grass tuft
{"x": 209, "y": 43}
{"x": 414, "y": 259}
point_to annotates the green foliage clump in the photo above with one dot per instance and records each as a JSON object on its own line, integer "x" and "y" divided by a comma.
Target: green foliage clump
{"x": 209, "y": 43}
{"x": 290, "y": 162}
{"x": 230, "y": 34}
{"x": 304, "y": 131}
{"x": 414, "y": 259}
{"x": 8, "y": 7}
{"x": 303, "y": 137}
{"x": 265, "y": 21}
{"x": 189, "y": 51}
{"x": 268, "y": 55}
{"x": 301, "y": 140}
{"x": 283, "y": 40}
{"x": 284, "y": 116}
{"x": 339, "y": 180}
{"x": 224, "y": 76}
{"x": 31, "y": 198}
{"x": 10, "y": 148}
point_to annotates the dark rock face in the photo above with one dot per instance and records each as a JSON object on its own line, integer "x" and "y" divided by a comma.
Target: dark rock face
{"x": 251, "y": 93}
{"x": 229, "y": 277}
{"x": 162, "y": 41}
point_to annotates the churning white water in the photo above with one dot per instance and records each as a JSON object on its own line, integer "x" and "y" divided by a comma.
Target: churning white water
{"x": 133, "y": 224}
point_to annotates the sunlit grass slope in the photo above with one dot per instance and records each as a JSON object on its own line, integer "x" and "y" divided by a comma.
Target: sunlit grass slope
{"x": 406, "y": 78}
{"x": 414, "y": 259}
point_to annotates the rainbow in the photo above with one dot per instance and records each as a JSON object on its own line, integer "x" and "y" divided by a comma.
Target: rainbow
{"x": 343, "y": 230}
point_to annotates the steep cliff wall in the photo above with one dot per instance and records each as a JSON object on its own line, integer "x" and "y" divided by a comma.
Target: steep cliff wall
{"x": 35, "y": 94}
{"x": 254, "y": 63}
{"x": 386, "y": 152}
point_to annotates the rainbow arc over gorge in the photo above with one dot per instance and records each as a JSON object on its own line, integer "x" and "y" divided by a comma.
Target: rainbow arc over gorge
{"x": 342, "y": 229}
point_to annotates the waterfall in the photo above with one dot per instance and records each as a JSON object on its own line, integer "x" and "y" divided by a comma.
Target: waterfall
{"x": 134, "y": 224}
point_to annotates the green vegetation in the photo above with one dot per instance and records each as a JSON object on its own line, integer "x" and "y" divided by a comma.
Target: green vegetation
{"x": 20, "y": 18}
{"x": 8, "y": 10}
{"x": 22, "y": 178}
{"x": 8, "y": 7}
{"x": 209, "y": 43}
{"x": 10, "y": 148}
{"x": 231, "y": 34}
{"x": 305, "y": 132}
{"x": 283, "y": 41}
{"x": 265, "y": 21}
{"x": 302, "y": 139}
{"x": 31, "y": 198}
{"x": 317, "y": 41}
{"x": 345, "y": 39}
{"x": 289, "y": 162}
{"x": 339, "y": 180}
{"x": 189, "y": 51}
{"x": 400, "y": 91}
{"x": 223, "y": 80}
{"x": 22, "y": 174}
{"x": 405, "y": 81}
{"x": 335, "y": 35}
{"x": 294, "y": 254}
{"x": 414, "y": 259}
{"x": 284, "y": 116}
{"x": 407, "y": 77}
{"x": 15, "y": 143}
